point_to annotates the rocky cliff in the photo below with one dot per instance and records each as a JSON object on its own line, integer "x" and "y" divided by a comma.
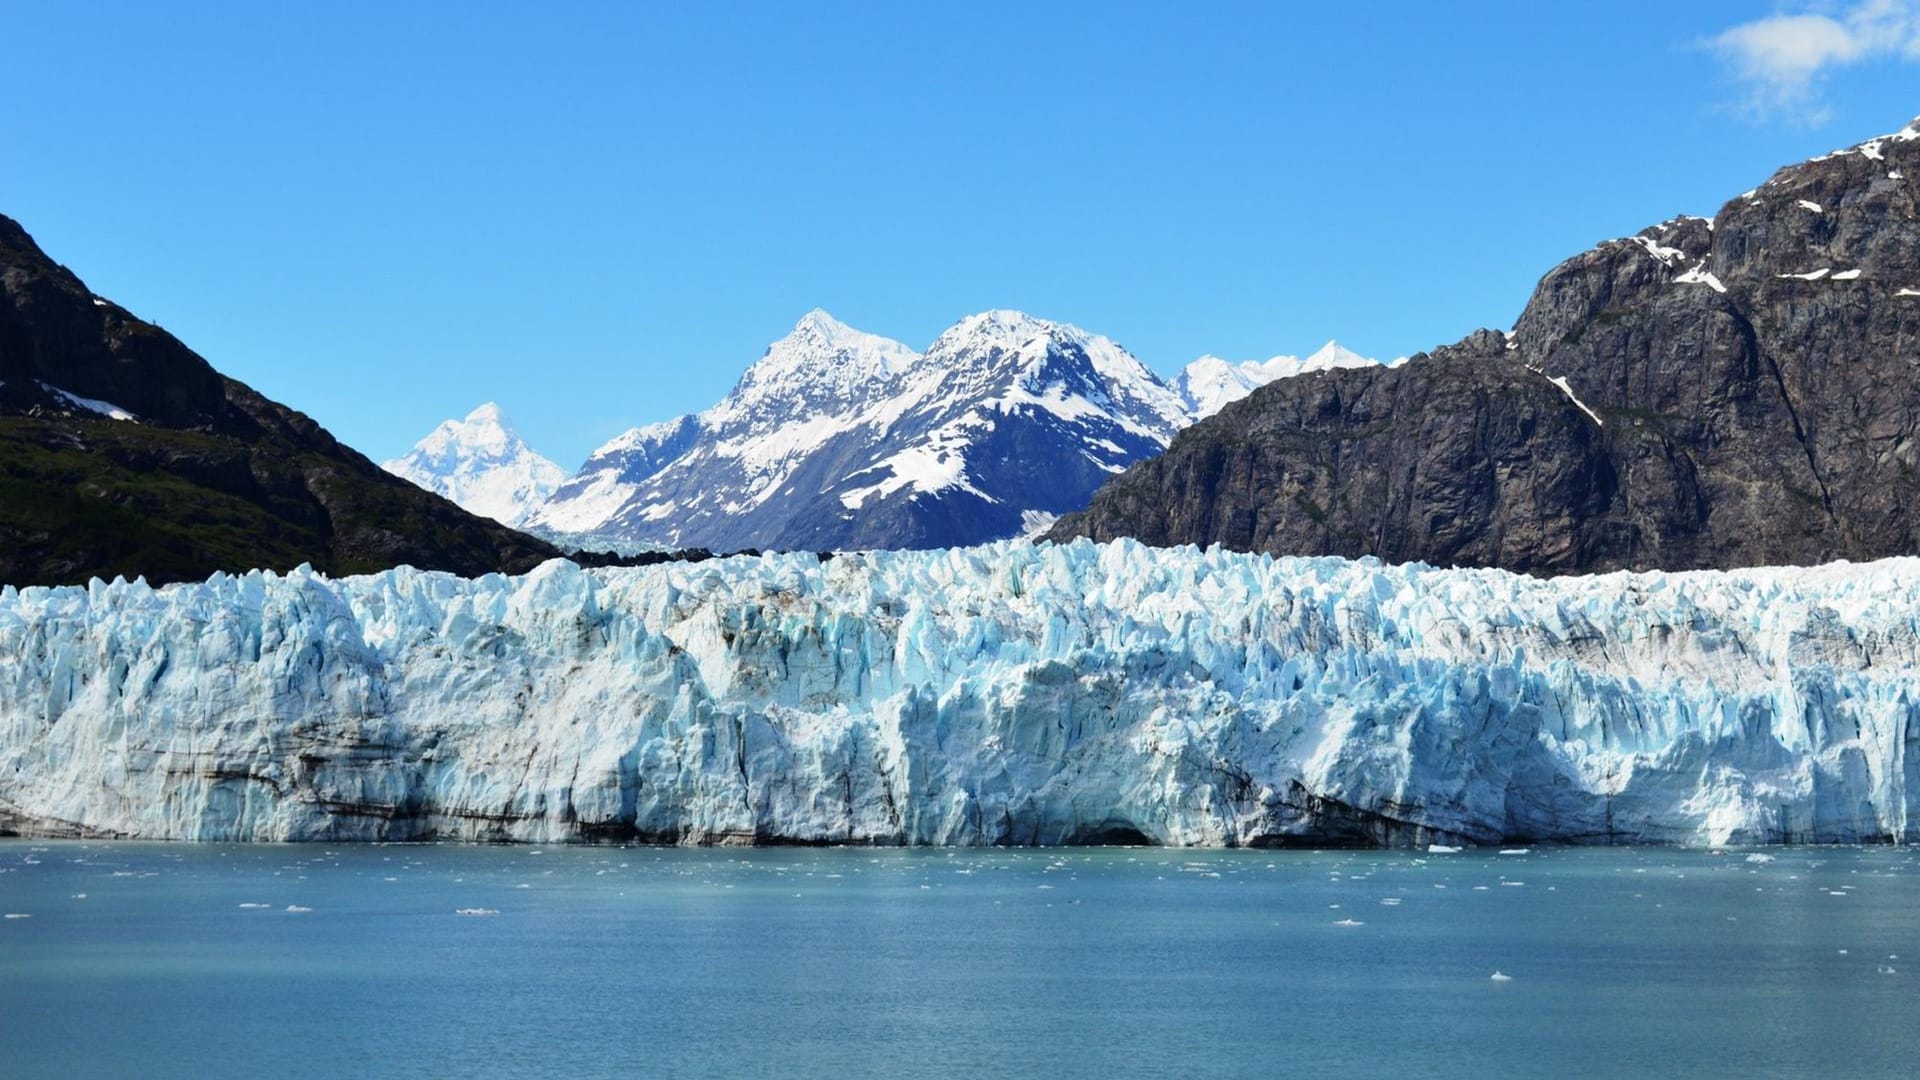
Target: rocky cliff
{"x": 1708, "y": 393}
{"x": 123, "y": 452}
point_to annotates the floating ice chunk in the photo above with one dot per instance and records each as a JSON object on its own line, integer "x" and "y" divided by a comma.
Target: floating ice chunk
{"x": 1501, "y": 976}
{"x": 18, "y": 915}
{"x": 476, "y": 912}
{"x": 255, "y": 907}
{"x": 1516, "y": 851}
{"x": 1341, "y": 922}
{"x": 1442, "y": 849}
{"x": 1759, "y": 857}
{"x": 298, "y": 909}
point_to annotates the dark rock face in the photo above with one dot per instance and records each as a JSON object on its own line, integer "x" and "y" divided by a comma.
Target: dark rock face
{"x": 1725, "y": 404}
{"x": 209, "y": 475}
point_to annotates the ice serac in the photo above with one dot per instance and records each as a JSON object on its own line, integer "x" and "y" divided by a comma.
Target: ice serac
{"x": 483, "y": 465}
{"x": 842, "y": 439}
{"x": 1008, "y": 694}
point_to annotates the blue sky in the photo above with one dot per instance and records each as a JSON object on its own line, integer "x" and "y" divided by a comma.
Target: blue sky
{"x": 598, "y": 214}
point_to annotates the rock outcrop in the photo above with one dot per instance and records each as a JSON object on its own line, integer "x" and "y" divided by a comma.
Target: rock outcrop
{"x": 124, "y": 453}
{"x": 1736, "y": 392}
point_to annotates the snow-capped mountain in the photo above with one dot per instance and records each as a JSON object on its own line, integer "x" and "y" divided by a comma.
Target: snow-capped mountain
{"x": 1209, "y": 384}
{"x": 837, "y": 438}
{"x": 482, "y": 464}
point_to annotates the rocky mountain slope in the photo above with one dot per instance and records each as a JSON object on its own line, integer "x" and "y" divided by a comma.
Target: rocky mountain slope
{"x": 124, "y": 453}
{"x": 1708, "y": 393}
{"x": 842, "y": 439}
{"x": 1010, "y": 694}
{"x": 483, "y": 465}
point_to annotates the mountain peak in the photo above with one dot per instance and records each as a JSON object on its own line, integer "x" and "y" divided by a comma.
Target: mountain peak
{"x": 1004, "y": 327}
{"x": 1332, "y": 355}
{"x": 1210, "y": 383}
{"x": 482, "y": 464}
{"x": 818, "y": 336}
{"x": 488, "y": 413}
{"x": 821, "y": 325}
{"x": 820, "y": 360}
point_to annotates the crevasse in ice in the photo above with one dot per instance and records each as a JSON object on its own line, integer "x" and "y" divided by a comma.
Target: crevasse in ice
{"x": 1000, "y": 694}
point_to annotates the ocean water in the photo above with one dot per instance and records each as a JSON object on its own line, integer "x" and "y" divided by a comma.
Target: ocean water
{"x": 142, "y": 960}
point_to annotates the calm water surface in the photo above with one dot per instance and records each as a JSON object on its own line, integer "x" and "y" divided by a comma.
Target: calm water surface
{"x": 143, "y": 960}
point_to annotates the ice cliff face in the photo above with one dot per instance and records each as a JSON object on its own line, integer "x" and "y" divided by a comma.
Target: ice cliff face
{"x": 1005, "y": 694}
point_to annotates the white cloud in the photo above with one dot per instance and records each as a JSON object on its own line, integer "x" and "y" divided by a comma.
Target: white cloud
{"x": 1783, "y": 57}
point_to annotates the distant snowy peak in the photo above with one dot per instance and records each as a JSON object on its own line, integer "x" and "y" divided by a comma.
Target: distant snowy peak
{"x": 1209, "y": 384}
{"x": 482, "y": 464}
{"x": 1042, "y": 357}
{"x": 838, "y": 438}
{"x": 821, "y": 363}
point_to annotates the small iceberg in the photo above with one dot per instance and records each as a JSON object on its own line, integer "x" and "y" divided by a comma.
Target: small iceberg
{"x": 1759, "y": 857}
{"x": 18, "y": 915}
{"x": 1442, "y": 849}
{"x": 1516, "y": 851}
{"x": 1501, "y": 976}
{"x": 1341, "y": 922}
{"x": 298, "y": 909}
{"x": 476, "y": 911}
{"x": 254, "y": 907}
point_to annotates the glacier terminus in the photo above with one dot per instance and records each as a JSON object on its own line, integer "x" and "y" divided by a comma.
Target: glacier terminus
{"x": 1004, "y": 694}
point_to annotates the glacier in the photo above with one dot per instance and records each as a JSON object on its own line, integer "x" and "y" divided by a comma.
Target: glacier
{"x": 1004, "y": 694}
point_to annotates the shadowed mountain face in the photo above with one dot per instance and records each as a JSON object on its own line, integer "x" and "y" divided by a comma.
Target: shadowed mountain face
{"x": 1722, "y": 393}
{"x": 122, "y": 452}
